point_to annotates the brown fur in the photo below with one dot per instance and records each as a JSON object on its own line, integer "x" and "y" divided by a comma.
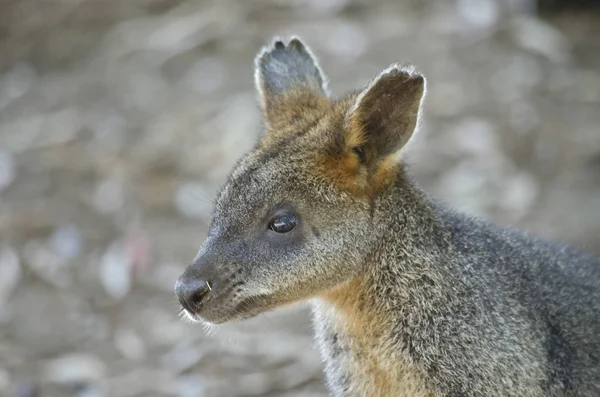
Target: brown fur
{"x": 342, "y": 167}
{"x": 292, "y": 113}
{"x": 369, "y": 365}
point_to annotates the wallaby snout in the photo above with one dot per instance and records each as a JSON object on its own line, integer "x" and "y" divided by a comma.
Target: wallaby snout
{"x": 209, "y": 289}
{"x": 196, "y": 286}
{"x": 191, "y": 292}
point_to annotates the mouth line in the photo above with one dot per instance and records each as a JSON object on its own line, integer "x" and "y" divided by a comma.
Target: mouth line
{"x": 246, "y": 308}
{"x": 187, "y": 306}
{"x": 253, "y": 306}
{"x": 190, "y": 315}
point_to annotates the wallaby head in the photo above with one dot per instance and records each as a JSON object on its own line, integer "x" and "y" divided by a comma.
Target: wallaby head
{"x": 294, "y": 219}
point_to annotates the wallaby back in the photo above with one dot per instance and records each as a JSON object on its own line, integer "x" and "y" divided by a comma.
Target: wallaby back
{"x": 410, "y": 298}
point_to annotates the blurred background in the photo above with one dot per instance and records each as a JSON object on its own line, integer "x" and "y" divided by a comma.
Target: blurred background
{"x": 119, "y": 120}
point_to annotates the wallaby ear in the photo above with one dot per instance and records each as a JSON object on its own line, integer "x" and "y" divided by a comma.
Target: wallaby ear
{"x": 386, "y": 113}
{"x": 284, "y": 70}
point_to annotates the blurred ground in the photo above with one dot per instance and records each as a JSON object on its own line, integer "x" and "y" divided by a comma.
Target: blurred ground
{"x": 119, "y": 120}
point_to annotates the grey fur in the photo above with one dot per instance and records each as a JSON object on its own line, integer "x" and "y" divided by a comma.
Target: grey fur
{"x": 280, "y": 66}
{"x": 410, "y": 297}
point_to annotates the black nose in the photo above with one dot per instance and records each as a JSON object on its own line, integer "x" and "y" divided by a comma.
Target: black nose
{"x": 191, "y": 293}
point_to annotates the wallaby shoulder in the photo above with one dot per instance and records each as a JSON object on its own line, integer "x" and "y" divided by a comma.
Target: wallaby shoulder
{"x": 559, "y": 287}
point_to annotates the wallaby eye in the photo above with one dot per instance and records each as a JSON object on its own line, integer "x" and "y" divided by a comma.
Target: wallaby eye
{"x": 283, "y": 223}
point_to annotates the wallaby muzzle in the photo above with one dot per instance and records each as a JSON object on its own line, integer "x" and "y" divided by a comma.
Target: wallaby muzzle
{"x": 198, "y": 284}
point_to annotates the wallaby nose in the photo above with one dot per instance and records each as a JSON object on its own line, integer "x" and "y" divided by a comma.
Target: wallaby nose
{"x": 191, "y": 293}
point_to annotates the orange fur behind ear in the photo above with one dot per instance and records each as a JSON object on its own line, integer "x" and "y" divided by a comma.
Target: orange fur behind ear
{"x": 347, "y": 172}
{"x": 385, "y": 174}
{"x": 344, "y": 169}
{"x": 355, "y": 135}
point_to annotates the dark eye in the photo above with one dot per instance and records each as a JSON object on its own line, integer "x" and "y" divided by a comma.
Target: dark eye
{"x": 283, "y": 223}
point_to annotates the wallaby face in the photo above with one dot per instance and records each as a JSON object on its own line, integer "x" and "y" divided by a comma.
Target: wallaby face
{"x": 294, "y": 216}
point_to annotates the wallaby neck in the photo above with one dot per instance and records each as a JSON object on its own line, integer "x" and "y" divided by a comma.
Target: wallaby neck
{"x": 364, "y": 325}
{"x": 410, "y": 242}
{"x": 406, "y": 218}
{"x": 409, "y": 237}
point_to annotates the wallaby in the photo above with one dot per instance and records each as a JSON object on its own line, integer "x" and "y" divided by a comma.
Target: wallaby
{"x": 410, "y": 298}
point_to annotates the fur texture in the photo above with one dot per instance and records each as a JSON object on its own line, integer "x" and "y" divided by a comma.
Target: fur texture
{"x": 410, "y": 298}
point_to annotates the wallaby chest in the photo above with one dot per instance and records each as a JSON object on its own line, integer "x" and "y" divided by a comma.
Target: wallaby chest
{"x": 358, "y": 353}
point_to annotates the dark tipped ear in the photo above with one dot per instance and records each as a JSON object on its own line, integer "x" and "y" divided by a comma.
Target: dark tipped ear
{"x": 284, "y": 69}
{"x": 386, "y": 112}
{"x": 281, "y": 67}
